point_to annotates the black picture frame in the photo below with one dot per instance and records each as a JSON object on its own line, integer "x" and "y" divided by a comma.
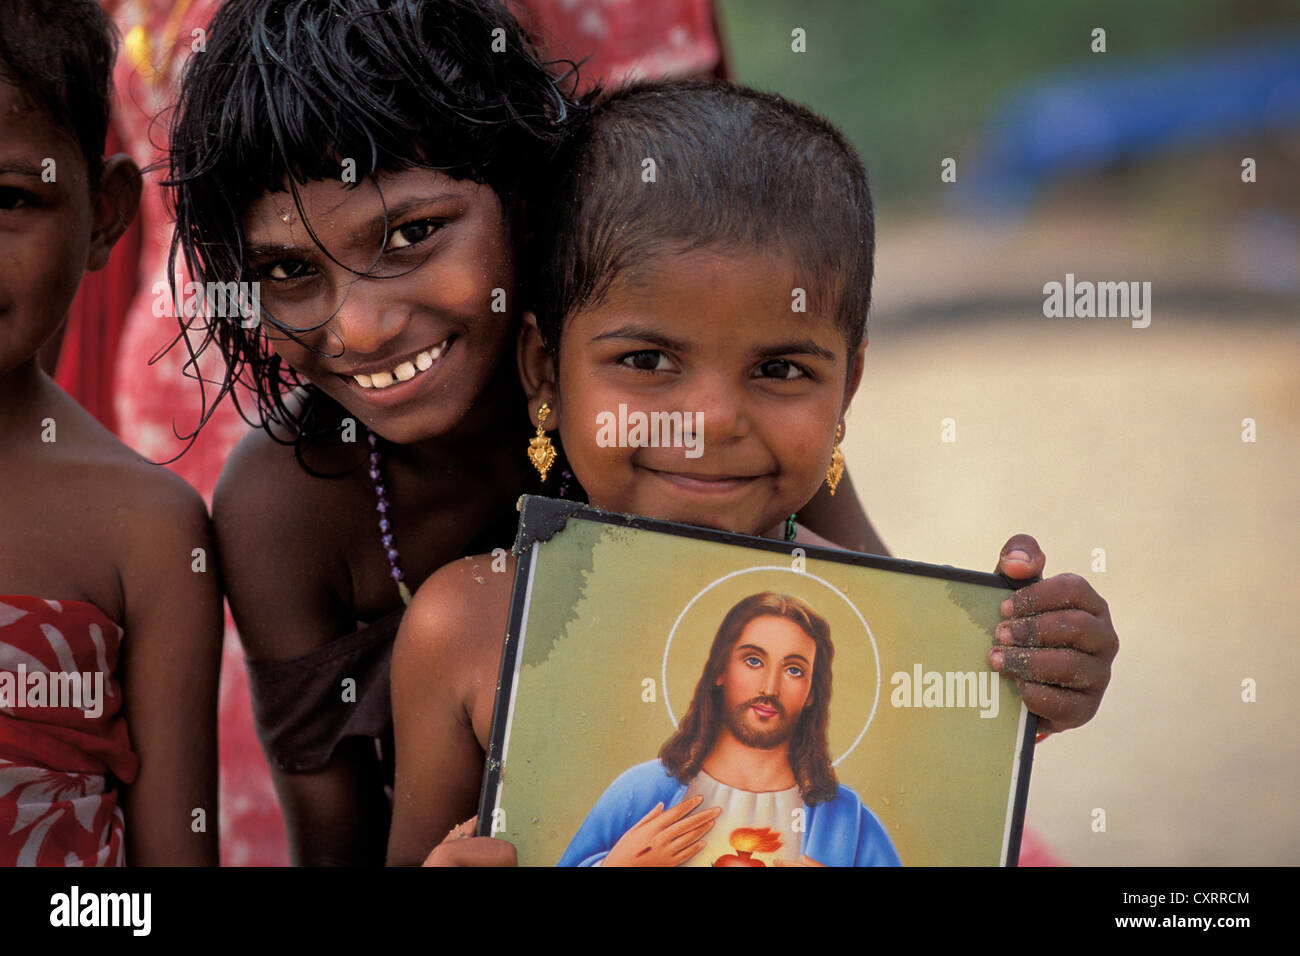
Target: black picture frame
{"x": 542, "y": 518}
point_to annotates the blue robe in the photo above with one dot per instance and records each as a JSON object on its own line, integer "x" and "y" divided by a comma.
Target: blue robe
{"x": 839, "y": 832}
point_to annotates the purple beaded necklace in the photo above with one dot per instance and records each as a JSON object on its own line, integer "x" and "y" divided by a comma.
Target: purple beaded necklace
{"x": 385, "y": 525}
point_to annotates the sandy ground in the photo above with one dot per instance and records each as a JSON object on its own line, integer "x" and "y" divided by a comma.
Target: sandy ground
{"x": 1091, "y": 434}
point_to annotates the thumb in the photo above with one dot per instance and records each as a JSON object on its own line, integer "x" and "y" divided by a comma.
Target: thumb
{"x": 1021, "y": 558}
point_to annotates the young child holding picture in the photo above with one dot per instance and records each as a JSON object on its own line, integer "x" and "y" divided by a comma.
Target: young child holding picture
{"x": 675, "y": 294}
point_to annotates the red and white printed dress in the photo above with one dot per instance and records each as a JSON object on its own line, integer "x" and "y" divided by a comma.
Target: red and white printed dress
{"x": 60, "y": 767}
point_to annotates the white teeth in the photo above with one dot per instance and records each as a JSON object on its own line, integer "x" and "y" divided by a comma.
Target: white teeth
{"x": 404, "y": 372}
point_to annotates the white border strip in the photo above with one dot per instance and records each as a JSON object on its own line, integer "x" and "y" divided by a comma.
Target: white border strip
{"x": 514, "y": 670}
{"x": 1015, "y": 779}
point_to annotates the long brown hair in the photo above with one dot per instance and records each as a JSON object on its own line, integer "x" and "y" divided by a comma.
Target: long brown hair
{"x": 684, "y": 752}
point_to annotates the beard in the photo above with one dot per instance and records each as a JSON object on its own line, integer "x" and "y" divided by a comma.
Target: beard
{"x": 776, "y": 732}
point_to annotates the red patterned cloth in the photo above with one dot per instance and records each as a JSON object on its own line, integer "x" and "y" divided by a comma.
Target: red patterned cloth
{"x": 620, "y": 40}
{"x": 64, "y": 746}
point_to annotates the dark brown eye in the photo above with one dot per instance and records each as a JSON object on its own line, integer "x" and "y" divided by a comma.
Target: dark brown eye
{"x": 410, "y": 234}
{"x": 14, "y": 199}
{"x": 284, "y": 270}
{"x": 647, "y": 360}
{"x": 781, "y": 369}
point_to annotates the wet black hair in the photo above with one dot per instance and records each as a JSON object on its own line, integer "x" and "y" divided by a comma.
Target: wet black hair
{"x": 734, "y": 169}
{"x": 286, "y": 89}
{"x": 59, "y": 54}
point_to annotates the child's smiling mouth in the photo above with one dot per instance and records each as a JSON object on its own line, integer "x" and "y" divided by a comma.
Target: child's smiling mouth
{"x": 388, "y": 385}
{"x": 718, "y": 484}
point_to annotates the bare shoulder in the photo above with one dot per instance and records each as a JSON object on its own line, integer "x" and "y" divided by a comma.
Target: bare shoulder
{"x": 163, "y": 514}
{"x": 447, "y": 655}
{"x": 164, "y": 550}
{"x": 100, "y": 520}
{"x": 259, "y": 468}
{"x": 444, "y": 675}
{"x": 149, "y": 486}
{"x": 165, "y": 534}
{"x": 462, "y": 606}
{"x": 454, "y": 631}
{"x": 155, "y": 516}
{"x": 249, "y": 512}
{"x": 279, "y": 534}
{"x": 141, "y": 494}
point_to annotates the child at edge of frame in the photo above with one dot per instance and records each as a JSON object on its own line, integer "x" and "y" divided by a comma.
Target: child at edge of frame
{"x": 686, "y": 305}
{"x": 110, "y": 614}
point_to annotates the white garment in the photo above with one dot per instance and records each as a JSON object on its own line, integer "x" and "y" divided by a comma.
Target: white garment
{"x": 776, "y": 810}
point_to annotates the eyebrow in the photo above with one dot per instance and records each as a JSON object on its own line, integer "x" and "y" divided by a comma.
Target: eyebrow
{"x": 19, "y": 166}
{"x": 260, "y": 250}
{"x": 800, "y": 347}
{"x": 646, "y": 333}
{"x": 643, "y": 333}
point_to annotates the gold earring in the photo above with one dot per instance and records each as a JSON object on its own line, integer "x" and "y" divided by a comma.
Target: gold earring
{"x": 540, "y": 450}
{"x": 836, "y": 470}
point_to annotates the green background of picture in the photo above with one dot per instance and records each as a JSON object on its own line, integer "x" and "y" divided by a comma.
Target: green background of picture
{"x": 603, "y": 603}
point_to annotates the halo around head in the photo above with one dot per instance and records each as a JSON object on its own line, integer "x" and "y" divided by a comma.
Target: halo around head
{"x": 850, "y": 698}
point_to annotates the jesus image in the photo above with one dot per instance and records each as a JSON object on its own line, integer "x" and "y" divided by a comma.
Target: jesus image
{"x": 746, "y": 780}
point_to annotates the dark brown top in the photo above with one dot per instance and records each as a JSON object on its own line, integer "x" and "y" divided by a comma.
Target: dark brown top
{"x": 303, "y": 710}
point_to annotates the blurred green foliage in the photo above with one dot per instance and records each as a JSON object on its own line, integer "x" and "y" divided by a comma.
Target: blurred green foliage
{"x": 913, "y": 81}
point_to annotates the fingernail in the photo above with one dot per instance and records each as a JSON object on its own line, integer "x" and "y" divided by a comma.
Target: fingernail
{"x": 1018, "y": 555}
{"x": 1003, "y": 633}
{"x": 1006, "y": 608}
{"x": 995, "y": 659}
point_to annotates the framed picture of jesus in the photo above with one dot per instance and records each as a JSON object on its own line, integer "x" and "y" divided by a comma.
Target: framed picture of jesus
{"x": 678, "y": 696}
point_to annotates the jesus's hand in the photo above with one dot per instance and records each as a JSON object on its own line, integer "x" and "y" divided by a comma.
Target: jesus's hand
{"x": 664, "y": 837}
